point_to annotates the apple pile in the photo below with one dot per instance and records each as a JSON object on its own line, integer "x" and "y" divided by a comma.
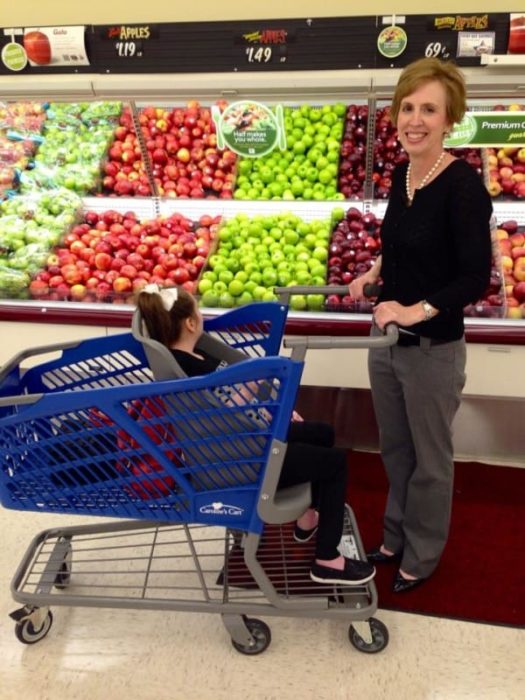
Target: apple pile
{"x": 388, "y": 153}
{"x": 352, "y": 166}
{"x": 182, "y": 150}
{"x": 511, "y": 240}
{"x": 28, "y": 231}
{"x": 354, "y": 247}
{"x": 109, "y": 255}
{"x": 124, "y": 171}
{"x": 506, "y": 167}
{"x": 76, "y": 138}
{"x": 14, "y": 156}
{"x": 22, "y": 117}
{"x": 20, "y": 124}
{"x": 307, "y": 168}
{"x": 492, "y": 304}
{"x": 255, "y": 254}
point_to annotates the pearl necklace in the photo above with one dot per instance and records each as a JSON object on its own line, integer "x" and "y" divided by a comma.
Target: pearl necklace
{"x": 424, "y": 181}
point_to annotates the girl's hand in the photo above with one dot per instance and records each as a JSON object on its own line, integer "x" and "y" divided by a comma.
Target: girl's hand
{"x": 297, "y": 418}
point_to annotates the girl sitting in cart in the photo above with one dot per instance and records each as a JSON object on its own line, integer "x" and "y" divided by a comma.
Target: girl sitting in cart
{"x": 173, "y": 318}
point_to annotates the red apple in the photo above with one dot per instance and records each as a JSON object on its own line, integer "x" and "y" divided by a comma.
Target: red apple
{"x": 38, "y": 48}
{"x": 519, "y": 269}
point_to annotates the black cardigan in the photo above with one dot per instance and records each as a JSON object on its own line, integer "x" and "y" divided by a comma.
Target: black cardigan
{"x": 439, "y": 247}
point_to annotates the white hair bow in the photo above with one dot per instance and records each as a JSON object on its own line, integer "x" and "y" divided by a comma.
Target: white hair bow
{"x": 168, "y": 295}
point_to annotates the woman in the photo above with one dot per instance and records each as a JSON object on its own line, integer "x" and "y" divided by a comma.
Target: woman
{"x": 173, "y": 318}
{"x": 436, "y": 258}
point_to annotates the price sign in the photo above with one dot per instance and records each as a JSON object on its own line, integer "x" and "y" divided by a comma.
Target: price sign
{"x": 128, "y": 49}
{"x": 129, "y": 39}
{"x": 260, "y": 54}
{"x": 437, "y": 49}
{"x": 265, "y": 46}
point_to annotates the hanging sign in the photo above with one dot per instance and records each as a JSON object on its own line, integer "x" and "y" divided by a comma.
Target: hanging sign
{"x": 392, "y": 41}
{"x": 486, "y": 129}
{"x": 475, "y": 43}
{"x": 55, "y": 46}
{"x": 14, "y": 56}
{"x": 249, "y": 128}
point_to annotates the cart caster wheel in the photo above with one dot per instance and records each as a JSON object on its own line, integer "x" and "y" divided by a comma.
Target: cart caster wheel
{"x": 261, "y": 638}
{"x": 379, "y": 637}
{"x": 63, "y": 578}
{"x": 27, "y": 634}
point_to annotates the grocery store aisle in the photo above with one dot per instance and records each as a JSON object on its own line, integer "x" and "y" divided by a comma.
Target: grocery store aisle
{"x": 97, "y": 653}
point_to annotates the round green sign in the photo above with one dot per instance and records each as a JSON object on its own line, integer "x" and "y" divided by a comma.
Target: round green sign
{"x": 392, "y": 41}
{"x": 14, "y": 56}
{"x": 249, "y": 128}
{"x": 462, "y": 133}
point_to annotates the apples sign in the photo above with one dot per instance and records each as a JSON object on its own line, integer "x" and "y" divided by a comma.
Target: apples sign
{"x": 38, "y": 48}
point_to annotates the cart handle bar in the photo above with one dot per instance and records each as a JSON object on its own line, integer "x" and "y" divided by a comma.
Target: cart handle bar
{"x": 300, "y": 344}
{"x": 284, "y": 293}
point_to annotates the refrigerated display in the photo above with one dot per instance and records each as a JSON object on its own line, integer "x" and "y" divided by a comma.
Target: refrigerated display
{"x": 341, "y": 150}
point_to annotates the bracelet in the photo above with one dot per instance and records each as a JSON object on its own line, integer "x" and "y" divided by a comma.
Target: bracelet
{"x": 428, "y": 310}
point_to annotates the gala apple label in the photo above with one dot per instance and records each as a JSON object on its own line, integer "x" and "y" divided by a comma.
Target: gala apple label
{"x": 55, "y": 46}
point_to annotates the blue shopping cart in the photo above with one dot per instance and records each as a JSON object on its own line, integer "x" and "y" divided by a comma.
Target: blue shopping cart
{"x": 189, "y": 479}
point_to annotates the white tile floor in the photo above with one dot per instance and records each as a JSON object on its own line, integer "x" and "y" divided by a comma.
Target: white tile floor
{"x": 98, "y": 654}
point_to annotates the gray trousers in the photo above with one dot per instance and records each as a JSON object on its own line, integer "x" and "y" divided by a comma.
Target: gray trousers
{"x": 416, "y": 392}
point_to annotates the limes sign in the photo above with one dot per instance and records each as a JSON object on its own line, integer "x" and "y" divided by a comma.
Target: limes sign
{"x": 14, "y": 56}
{"x": 250, "y": 128}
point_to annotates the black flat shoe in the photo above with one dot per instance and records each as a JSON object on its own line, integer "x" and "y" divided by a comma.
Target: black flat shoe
{"x": 378, "y": 557}
{"x": 404, "y": 584}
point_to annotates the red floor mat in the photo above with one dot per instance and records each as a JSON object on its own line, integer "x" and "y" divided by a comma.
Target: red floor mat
{"x": 481, "y": 576}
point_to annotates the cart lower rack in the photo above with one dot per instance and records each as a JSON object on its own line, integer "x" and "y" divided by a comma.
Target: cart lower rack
{"x": 193, "y": 568}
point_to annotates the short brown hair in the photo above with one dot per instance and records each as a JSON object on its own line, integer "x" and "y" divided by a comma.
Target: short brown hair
{"x": 425, "y": 70}
{"x": 165, "y": 326}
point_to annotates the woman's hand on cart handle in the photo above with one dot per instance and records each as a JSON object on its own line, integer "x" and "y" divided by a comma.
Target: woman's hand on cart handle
{"x": 366, "y": 284}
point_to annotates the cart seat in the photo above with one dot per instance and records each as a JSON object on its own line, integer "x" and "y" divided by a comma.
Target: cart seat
{"x": 277, "y": 506}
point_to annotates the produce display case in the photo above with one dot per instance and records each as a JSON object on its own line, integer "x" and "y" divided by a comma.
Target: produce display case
{"x": 361, "y": 186}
